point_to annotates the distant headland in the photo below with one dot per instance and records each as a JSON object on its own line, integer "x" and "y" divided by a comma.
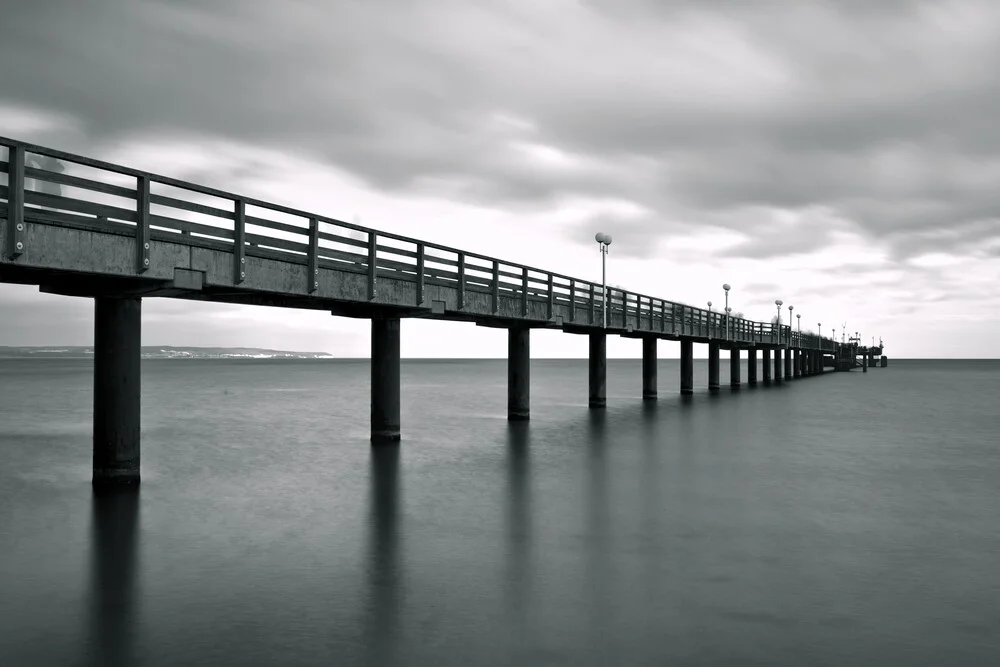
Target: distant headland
{"x": 160, "y": 352}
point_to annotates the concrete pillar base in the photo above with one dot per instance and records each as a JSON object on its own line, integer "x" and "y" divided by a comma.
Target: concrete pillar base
{"x": 518, "y": 374}
{"x": 385, "y": 380}
{"x": 713, "y": 367}
{"x": 687, "y": 367}
{"x": 117, "y": 390}
{"x": 649, "y": 369}
{"x": 598, "y": 370}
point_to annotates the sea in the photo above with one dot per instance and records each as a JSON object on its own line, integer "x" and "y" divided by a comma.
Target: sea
{"x": 846, "y": 519}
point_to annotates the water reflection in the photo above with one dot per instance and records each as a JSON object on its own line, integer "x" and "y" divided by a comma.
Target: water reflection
{"x": 113, "y": 565}
{"x": 598, "y": 570}
{"x": 519, "y": 524}
{"x": 384, "y": 576}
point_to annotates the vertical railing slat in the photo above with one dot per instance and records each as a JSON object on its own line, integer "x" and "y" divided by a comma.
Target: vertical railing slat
{"x": 572, "y": 300}
{"x": 142, "y": 224}
{"x": 372, "y": 264}
{"x": 239, "y": 242}
{"x": 592, "y": 302}
{"x": 313, "y": 258}
{"x": 461, "y": 280}
{"x": 524, "y": 292}
{"x": 552, "y": 296}
{"x": 496, "y": 287}
{"x": 420, "y": 273}
{"x": 15, "y": 202}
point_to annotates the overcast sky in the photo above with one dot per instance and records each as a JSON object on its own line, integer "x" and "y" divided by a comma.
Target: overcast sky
{"x": 842, "y": 156}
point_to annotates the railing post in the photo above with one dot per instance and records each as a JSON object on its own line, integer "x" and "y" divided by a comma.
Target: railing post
{"x": 663, "y": 316}
{"x": 625, "y": 310}
{"x": 496, "y": 287}
{"x": 524, "y": 292}
{"x": 421, "y": 254}
{"x": 461, "y": 280}
{"x": 650, "y": 313}
{"x": 313, "y": 257}
{"x": 142, "y": 224}
{"x": 239, "y": 242}
{"x": 372, "y": 264}
{"x": 592, "y": 303}
{"x": 15, "y": 202}
{"x": 552, "y": 296}
{"x": 572, "y": 300}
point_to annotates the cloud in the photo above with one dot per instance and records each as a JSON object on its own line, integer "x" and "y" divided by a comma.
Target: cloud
{"x": 882, "y": 116}
{"x": 724, "y": 133}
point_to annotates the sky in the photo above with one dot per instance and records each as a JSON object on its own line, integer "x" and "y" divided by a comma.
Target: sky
{"x": 840, "y": 156}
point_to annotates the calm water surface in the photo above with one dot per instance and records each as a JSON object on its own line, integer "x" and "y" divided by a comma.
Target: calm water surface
{"x": 849, "y": 519}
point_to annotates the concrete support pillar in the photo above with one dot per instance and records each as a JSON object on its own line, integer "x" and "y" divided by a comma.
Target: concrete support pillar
{"x": 734, "y": 367}
{"x": 518, "y": 374}
{"x": 805, "y": 363}
{"x": 598, "y": 370}
{"x": 864, "y": 362}
{"x": 766, "y": 365}
{"x": 649, "y": 368}
{"x": 117, "y": 390}
{"x": 779, "y": 371}
{"x": 797, "y": 364}
{"x": 713, "y": 367}
{"x": 788, "y": 363}
{"x": 385, "y": 379}
{"x": 752, "y": 366}
{"x": 687, "y": 367}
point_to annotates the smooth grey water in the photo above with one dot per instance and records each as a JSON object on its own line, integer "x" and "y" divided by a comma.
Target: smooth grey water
{"x": 849, "y": 519}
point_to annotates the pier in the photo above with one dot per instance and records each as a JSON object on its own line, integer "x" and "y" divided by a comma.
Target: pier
{"x": 117, "y": 235}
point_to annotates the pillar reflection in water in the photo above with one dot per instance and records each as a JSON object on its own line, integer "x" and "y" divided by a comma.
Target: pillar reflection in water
{"x": 384, "y": 579}
{"x": 598, "y": 570}
{"x": 519, "y": 525}
{"x": 113, "y": 565}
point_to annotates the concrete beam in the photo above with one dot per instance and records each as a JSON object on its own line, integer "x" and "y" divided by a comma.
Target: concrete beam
{"x": 117, "y": 390}
{"x": 518, "y": 374}
{"x": 385, "y": 380}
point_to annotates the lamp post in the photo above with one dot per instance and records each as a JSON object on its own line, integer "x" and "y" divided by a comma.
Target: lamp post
{"x": 726, "y": 288}
{"x": 799, "y": 317}
{"x": 790, "y": 309}
{"x": 819, "y": 330}
{"x": 604, "y": 240}
{"x": 778, "y": 302}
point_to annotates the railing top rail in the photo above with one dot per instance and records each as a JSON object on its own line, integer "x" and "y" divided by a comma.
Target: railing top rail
{"x": 288, "y": 210}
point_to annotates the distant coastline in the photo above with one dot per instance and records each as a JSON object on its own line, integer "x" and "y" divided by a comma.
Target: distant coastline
{"x": 158, "y": 352}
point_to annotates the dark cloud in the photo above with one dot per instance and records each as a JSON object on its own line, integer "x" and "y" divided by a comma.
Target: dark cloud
{"x": 880, "y": 114}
